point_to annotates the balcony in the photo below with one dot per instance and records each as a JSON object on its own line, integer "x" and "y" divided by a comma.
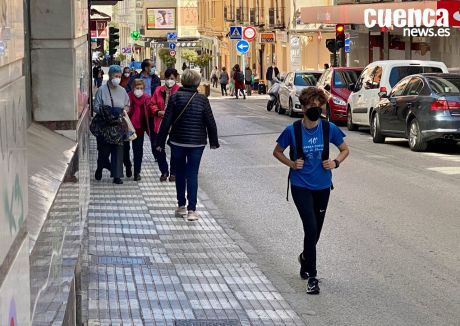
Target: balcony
{"x": 276, "y": 18}
{"x": 229, "y": 14}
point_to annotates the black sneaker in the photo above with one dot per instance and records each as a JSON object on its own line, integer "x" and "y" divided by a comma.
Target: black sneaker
{"x": 137, "y": 178}
{"x": 129, "y": 172}
{"x": 118, "y": 181}
{"x": 312, "y": 285}
{"x": 303, "y": 273}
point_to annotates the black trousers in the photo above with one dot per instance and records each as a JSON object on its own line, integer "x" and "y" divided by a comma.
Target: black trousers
{"x": 138, "y": 153}
{"x": 115, "y": 152}
{"x": 223, "y": 88}
{"x": 312, "y": 206}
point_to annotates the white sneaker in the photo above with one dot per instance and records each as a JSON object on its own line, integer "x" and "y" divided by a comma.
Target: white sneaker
{"x": 192, "y": 216}
{"x": 181, "y": 211}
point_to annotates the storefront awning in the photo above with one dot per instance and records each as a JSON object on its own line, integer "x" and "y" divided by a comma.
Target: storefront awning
{"x": 354, "y": 14}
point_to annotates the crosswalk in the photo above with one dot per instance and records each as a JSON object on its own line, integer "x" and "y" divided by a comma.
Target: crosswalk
{"x": 450, "y": 167}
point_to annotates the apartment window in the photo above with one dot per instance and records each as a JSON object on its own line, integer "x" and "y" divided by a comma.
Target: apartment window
{"x": 239, "y": 14}
{"x": 271, "y": 17}
{"x": 252, "y": 16}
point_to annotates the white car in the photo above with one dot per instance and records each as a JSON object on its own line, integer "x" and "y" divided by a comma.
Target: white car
{"x": 290, "y": 88}
{"x": 377, "y": 77}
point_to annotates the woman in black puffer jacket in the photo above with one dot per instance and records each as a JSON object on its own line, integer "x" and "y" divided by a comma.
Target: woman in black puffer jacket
{"x": 190, "y": 118}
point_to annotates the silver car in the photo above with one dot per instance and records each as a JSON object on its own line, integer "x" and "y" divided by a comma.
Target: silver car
{"x": 290, "y": 89}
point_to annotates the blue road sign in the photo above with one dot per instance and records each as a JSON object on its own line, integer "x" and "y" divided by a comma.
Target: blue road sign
{"x": 171, "y": 36}
{"x": 347, "y": 45}
{"x": 236, "y": 32}
{"x": 242, "y": 46}
{"x": 172, "y": 46}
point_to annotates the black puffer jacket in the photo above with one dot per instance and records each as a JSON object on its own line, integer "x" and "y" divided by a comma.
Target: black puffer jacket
{"x": 194, "y": 125}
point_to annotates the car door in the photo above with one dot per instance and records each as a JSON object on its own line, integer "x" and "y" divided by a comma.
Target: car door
{"x": 407, "y": 102}
{"x": 369, "y": 98}
{"x": 388, "y": 113}
{"x": 284, "y": 92}
{"x": 356, "y": 99}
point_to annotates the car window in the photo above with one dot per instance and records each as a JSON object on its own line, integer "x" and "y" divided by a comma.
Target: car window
{"x": 359, "y": 83}
{"x": 372, "y": 78}
{"x": 414, "y": 87}
{"x": 399, "y": 88}
{"x": 344, "y": 78}
{"x": 443, "y": 85}
{"x": 398, "y": 73}
{"x": 305, "y": 79}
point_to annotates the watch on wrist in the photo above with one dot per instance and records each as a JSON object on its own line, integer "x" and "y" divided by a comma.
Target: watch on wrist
{"x": 337, "y": 163}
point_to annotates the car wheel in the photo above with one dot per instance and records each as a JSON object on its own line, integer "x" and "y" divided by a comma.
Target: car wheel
{"x": 291, "y": 112}
{"x": 376, "y": 133}
{"x": 416, "y": 141}
{"x": 350, "y": 125}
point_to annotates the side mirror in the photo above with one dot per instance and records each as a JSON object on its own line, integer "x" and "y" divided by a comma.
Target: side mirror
{"x": 383, "y": 95}
{"x": 327, "y": 87}
{"x": 351, "y": 87}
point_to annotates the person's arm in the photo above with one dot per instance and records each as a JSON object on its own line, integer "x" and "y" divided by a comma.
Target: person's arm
{"x": 278, "y": 152}
{"x": 98, "y": 101}
{"x": 127, "y": 102}
{"x": 211, "y": 126}
{"x": 166, "y": 124}
{"x": 154, "y": 103}
{"x": 344, "y": 152}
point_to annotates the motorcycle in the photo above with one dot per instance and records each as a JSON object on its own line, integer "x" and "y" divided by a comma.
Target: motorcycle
{"x": 274, "y": 101}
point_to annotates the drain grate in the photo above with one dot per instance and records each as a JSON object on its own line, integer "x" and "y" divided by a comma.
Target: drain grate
{"x": 122, "y": 260}
{"x": 208, "y": 322}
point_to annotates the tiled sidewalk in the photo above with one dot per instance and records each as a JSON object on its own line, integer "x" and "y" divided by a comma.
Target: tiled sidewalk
{"x": 144, "y": 266}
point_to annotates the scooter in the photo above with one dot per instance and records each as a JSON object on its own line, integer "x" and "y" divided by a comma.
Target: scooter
{"x": 274, "y": 101}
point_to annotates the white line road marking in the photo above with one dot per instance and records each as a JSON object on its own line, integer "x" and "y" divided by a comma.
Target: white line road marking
{"x": 450, "y": 170}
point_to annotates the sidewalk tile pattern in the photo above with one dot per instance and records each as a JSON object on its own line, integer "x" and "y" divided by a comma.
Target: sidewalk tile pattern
{"x": 148, "y": 267}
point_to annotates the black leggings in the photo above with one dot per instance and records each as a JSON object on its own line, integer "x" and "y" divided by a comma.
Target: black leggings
{"x": 223, "y": 88}
{"x": 312, "y": 206}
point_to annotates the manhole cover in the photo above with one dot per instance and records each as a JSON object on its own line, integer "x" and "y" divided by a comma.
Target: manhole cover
{"x": 208, "y": 322}
{"x": 122, "y": 260}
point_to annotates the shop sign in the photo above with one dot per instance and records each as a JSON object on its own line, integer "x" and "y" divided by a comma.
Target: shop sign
{"x": 267, "y": 38}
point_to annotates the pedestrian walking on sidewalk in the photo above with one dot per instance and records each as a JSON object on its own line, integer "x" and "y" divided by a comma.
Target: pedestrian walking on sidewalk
{"x": 151, "y": 80}
{"x": 272, "y": 72}
{"x": 125, "y": 78}
{"x": 215, "y": 76}
{"x": 138, "y": 113}
{"x": 238, "y": 79}
{"x": 189, "y": 121}
{"x": 248, "y": 77}
{"x": 111, "y": 97}
{"x": 223, "y": 80}
{"x": 160, "y": 100}
{"x": 310, "y": 173}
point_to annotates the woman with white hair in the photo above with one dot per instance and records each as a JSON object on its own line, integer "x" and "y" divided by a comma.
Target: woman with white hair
{"x": 110, "y": 101}
{"x": 189, "y": 122}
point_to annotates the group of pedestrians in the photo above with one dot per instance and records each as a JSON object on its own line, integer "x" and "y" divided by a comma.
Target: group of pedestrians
{"x": 236, "y": 83}
{"x": 158, "y": 111}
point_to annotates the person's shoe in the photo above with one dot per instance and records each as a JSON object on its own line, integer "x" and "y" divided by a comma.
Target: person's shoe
{"x": 303, "y": 273}
{"x": 164, "y": 177}
{"x": 312, "y": 285}
{"x": 181, "y": 211}
{"x": 172, "y": 178}
{"x": 129, "y": 172}
{"x": 137, "y": 178}
{"x": 98, "y": 175}
{"x": 117, "y": 181}
{"x": 192, "y": 216}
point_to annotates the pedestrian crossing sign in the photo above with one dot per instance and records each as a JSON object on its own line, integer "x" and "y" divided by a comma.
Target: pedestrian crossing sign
{"x": 236, "y": 32}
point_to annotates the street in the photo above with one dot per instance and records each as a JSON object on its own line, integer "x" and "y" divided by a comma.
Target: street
{"x": 389, "y": 248}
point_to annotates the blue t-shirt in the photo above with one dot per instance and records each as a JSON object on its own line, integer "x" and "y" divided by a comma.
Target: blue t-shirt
{"x": 313, "y": 176}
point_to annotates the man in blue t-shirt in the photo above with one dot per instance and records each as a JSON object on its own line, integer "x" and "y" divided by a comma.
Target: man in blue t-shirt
{"x": 311, "y": 177}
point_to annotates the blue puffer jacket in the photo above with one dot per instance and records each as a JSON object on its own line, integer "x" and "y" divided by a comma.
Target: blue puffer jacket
{"x": 195, "y": 124}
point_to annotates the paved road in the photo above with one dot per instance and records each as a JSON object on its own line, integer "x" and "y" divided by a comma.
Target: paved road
{"x": 389, "y": 252}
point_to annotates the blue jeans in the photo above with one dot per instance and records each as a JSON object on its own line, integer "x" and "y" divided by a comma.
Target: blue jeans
{"x": 187, "y": 163}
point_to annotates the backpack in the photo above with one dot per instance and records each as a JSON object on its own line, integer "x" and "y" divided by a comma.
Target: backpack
{"x": 239, "y": 77}
{"x": 297, "y": 152}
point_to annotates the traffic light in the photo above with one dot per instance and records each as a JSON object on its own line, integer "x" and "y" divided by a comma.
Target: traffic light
{"x": 340, "y": 35}
{"x": 331, "y": 45}
{"x": 113, "y": 40}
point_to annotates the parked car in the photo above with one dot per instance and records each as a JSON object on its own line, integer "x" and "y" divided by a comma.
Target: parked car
{"x": 381, "y": 76}
{"x": 335, "y": 82}
{"x": 421, "y": 108}
{"x": 291, "y": 87}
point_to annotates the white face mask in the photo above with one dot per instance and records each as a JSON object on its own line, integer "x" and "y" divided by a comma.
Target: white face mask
{"x": 126, "y": 74}
{"x": 116, "y": 81}
{"x": 138, "y": 92}
{"x": 170, "y": 83}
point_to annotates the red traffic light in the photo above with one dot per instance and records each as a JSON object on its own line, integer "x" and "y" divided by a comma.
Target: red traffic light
{"x": 339, "y": 28}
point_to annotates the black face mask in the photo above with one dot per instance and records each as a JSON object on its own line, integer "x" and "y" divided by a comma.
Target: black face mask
{"x": 313, "y": 113}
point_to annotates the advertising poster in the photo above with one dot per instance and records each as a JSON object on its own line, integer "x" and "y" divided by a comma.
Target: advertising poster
{"x": 161, "y": 18}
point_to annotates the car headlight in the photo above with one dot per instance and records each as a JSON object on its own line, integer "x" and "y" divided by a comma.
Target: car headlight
{"x": 338, "y": 101}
